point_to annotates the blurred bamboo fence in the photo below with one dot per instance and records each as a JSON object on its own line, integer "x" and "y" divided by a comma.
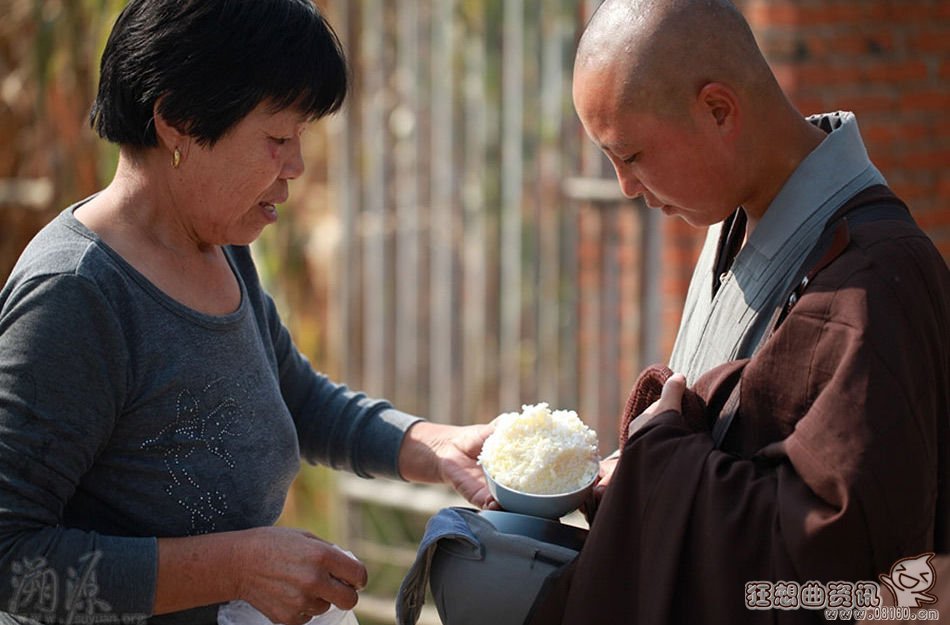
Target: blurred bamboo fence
{"x": 482, "y": 255}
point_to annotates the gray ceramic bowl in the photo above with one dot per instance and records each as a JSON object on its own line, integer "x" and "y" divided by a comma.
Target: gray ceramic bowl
{"x": 546, "y": 506}
{"x": 545, "y": 530}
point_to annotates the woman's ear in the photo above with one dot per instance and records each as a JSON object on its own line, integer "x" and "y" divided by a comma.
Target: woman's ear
{"x": 169, "y": 137}
{"x": 719, "y": 103}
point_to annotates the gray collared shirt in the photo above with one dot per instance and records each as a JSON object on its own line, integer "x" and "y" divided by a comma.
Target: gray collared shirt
{"x": 729, "y": 325}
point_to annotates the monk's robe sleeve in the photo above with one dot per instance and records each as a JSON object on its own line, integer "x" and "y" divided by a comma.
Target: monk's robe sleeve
{"x": 835, "y": 468}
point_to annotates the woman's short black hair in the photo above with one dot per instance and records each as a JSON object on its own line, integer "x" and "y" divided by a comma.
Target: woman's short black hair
{"x": 211, "y": 62}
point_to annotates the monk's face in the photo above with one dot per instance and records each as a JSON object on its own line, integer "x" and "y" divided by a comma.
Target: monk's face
{"x": 678, "y": 161}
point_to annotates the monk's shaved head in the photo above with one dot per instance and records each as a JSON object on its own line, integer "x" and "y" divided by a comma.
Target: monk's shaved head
{"x": 678, "y": 96}
{"x": 663, "y": 51}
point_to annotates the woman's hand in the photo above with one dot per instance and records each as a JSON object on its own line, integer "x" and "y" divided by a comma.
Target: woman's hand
{"x": 433, "y": 452}
{"x": 288, "y": 575}
{"x": 291, "y": 575}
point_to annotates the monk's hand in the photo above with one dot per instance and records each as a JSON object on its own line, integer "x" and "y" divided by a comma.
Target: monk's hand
{"x": 671, "y": 398}
{"x": 607, "y": 467}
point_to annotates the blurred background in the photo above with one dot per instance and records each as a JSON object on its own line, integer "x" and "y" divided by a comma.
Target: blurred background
{"x": 456, "y": 244}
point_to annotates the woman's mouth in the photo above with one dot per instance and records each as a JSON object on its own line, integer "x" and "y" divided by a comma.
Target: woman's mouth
{"x": 269, "y": 210}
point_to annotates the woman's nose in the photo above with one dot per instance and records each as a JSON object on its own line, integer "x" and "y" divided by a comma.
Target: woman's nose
{"x": 294, "y": 165}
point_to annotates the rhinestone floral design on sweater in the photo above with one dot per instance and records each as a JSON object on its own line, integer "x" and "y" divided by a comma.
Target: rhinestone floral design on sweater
{"x": 204, "y": 423}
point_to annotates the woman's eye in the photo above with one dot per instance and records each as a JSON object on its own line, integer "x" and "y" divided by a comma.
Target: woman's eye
{"x": 280, "y": 140}
{"x": 631, "y": 159}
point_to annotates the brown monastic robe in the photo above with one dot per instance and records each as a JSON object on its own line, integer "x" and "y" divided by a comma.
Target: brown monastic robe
{"x": 835, "y": 467}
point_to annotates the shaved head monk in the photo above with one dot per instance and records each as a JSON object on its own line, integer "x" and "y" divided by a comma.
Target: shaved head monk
{"x": 800, "y": 451}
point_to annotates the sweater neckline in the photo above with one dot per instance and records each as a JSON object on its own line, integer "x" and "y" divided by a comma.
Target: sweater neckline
{"x": 149, "y": 287}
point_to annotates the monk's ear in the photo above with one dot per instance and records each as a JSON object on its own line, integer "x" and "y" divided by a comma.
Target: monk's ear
{"x": 719, "y": 105}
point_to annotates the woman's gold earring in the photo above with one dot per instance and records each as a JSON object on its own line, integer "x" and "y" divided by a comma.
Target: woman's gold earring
{"x": 176, "y": 158}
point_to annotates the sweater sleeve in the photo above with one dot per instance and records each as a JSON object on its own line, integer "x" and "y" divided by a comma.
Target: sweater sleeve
{"x": 336, "y": 426}
{"x": 63, "y": 371}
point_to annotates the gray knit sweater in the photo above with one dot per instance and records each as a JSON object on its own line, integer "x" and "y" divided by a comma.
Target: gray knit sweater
{"x": 125, "y": 416}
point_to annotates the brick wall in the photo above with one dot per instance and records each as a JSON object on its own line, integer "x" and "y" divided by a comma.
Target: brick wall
{"x": 889, "y": 62}
{"x": 886, "y": 60}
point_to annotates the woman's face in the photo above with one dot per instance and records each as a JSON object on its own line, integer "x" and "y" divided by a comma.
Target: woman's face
{"x": 229, "y": 192}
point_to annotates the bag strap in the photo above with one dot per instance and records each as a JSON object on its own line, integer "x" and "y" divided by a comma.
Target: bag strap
{"x": 875, "y": 203}
{"x": 727, "y": 415}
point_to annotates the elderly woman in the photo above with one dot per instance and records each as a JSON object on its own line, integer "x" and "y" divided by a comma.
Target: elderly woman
{"x": 153, "y": 408}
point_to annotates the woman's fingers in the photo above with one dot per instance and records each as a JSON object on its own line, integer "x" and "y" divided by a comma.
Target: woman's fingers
{"x": 291, "y": 576}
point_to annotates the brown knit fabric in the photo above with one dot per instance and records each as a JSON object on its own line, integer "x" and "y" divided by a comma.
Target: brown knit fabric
{"x": 647, "y": 390}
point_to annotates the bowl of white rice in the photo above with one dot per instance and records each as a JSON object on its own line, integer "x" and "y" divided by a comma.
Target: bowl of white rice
{"x": 540, "y": 462}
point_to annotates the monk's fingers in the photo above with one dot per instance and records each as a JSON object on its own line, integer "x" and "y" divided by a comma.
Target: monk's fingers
{"x": 671, "y": 397}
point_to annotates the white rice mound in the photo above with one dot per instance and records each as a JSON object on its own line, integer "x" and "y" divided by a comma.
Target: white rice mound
{"x": 541, "y": 452}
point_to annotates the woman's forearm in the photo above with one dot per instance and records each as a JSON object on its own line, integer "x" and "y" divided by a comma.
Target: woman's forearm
{"x": 196, "y": 570}
{"x": 419, "y": 454}
{"x": 287, "y": 574}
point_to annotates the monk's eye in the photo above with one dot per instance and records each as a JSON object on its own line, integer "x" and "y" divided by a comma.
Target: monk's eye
{"x": 631, "y": 159}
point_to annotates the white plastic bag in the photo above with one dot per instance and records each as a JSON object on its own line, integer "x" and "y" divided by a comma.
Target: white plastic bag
{"x": 243, "y": 613}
